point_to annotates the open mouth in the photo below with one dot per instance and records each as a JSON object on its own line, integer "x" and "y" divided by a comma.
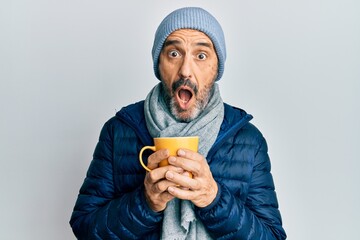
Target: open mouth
{"x": 184, "y": 96}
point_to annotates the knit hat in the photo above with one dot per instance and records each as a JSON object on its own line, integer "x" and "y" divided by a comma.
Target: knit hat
{"x": 190, "y": 18}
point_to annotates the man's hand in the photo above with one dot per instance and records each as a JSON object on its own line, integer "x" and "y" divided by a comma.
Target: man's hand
{"x": 201, "y": 189}
{"x": 156, "y": 185}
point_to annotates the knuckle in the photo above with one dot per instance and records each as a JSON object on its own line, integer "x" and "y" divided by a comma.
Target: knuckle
{"x": 154, "y": 188}
{"x": 152, "y": 176}
{"x": 196, "y": 185}
{"x": 167, "y": 197}
{"x": 198, "y": 168}
{"x": 161, "y": 154}
{"x": 159, "y": 187}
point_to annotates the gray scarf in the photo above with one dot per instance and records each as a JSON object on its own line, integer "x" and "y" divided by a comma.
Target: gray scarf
{"x": 180, "y": 221}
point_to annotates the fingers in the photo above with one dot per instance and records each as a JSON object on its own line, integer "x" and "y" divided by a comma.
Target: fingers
{"x": 155, "y": 158}
{"x": 164, "y": 183}
{"x": 159, "y": 173}
{"x": 160, "y": 186}
{"x": 190, "y": 161}
{"x": 200, "y": 198}
{"x": 183, "y": 180}
{"x": 181, "y": 193}
{"x": 202, "y": 188}
{"x": 156, "y": 187}
{"x": 157, "y": 201}
{"x": 201, "y": 191}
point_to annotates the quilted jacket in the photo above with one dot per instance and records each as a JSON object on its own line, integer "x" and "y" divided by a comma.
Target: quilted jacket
{"x": 111, "y": 203}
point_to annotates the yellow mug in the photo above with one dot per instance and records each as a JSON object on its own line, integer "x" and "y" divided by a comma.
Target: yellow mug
{"x": 173, "y": 144}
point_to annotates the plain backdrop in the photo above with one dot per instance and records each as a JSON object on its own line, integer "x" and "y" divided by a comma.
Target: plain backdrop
{"x": 67, "y": 66}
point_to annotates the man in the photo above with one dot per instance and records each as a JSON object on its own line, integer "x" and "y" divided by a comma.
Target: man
{"x": 231, "y": 194}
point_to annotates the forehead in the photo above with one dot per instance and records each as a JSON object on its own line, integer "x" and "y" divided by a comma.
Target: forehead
{"x": 189, "y": 35}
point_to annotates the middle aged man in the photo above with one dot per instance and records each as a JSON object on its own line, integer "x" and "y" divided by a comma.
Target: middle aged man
{"x": 231, "y": 194}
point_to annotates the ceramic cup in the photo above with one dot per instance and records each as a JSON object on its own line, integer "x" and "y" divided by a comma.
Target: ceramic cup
{"x": 173, "y": 144}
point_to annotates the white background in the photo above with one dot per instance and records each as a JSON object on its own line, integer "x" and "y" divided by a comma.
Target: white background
{"x": 67, "y": 66}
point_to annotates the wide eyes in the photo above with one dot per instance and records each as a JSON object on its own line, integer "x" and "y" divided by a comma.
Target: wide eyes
{"x": 176, "y": 54}
{"x": 201, "y": 56}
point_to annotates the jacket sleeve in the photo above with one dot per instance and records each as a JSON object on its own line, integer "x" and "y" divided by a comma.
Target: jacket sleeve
{"x": 228, "y": 217}
{"x": 98, "y": 213}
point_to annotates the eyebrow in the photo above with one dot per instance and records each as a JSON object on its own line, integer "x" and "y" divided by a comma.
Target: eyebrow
{"x": 205, "y": 44}
{"x": 171, "y": 42}
{"x": 177, "y": 42}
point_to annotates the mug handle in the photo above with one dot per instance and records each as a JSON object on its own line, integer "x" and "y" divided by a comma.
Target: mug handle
{"x": 140, "y": 156}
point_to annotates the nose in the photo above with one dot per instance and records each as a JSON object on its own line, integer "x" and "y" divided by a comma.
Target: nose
{"x": 185, "y": 71}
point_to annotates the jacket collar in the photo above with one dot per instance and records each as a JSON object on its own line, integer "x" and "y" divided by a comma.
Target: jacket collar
{"x": 234, "y": 120}
{"x": 133, "y": 116}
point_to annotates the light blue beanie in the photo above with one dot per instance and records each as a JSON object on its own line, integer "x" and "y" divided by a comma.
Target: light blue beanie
{"x": 190, "y": 18}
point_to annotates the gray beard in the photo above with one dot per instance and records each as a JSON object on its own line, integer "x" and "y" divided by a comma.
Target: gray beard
{"x": 202, "y": 99}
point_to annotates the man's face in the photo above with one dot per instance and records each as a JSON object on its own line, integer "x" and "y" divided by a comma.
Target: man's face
{"x": 188, "y": 68}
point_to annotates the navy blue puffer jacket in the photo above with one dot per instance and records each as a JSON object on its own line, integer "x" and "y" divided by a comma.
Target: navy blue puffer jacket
{"x": 111, "y": 203}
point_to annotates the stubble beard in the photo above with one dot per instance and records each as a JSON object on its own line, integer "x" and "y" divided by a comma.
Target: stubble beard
{"x": 202, "y": 98}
